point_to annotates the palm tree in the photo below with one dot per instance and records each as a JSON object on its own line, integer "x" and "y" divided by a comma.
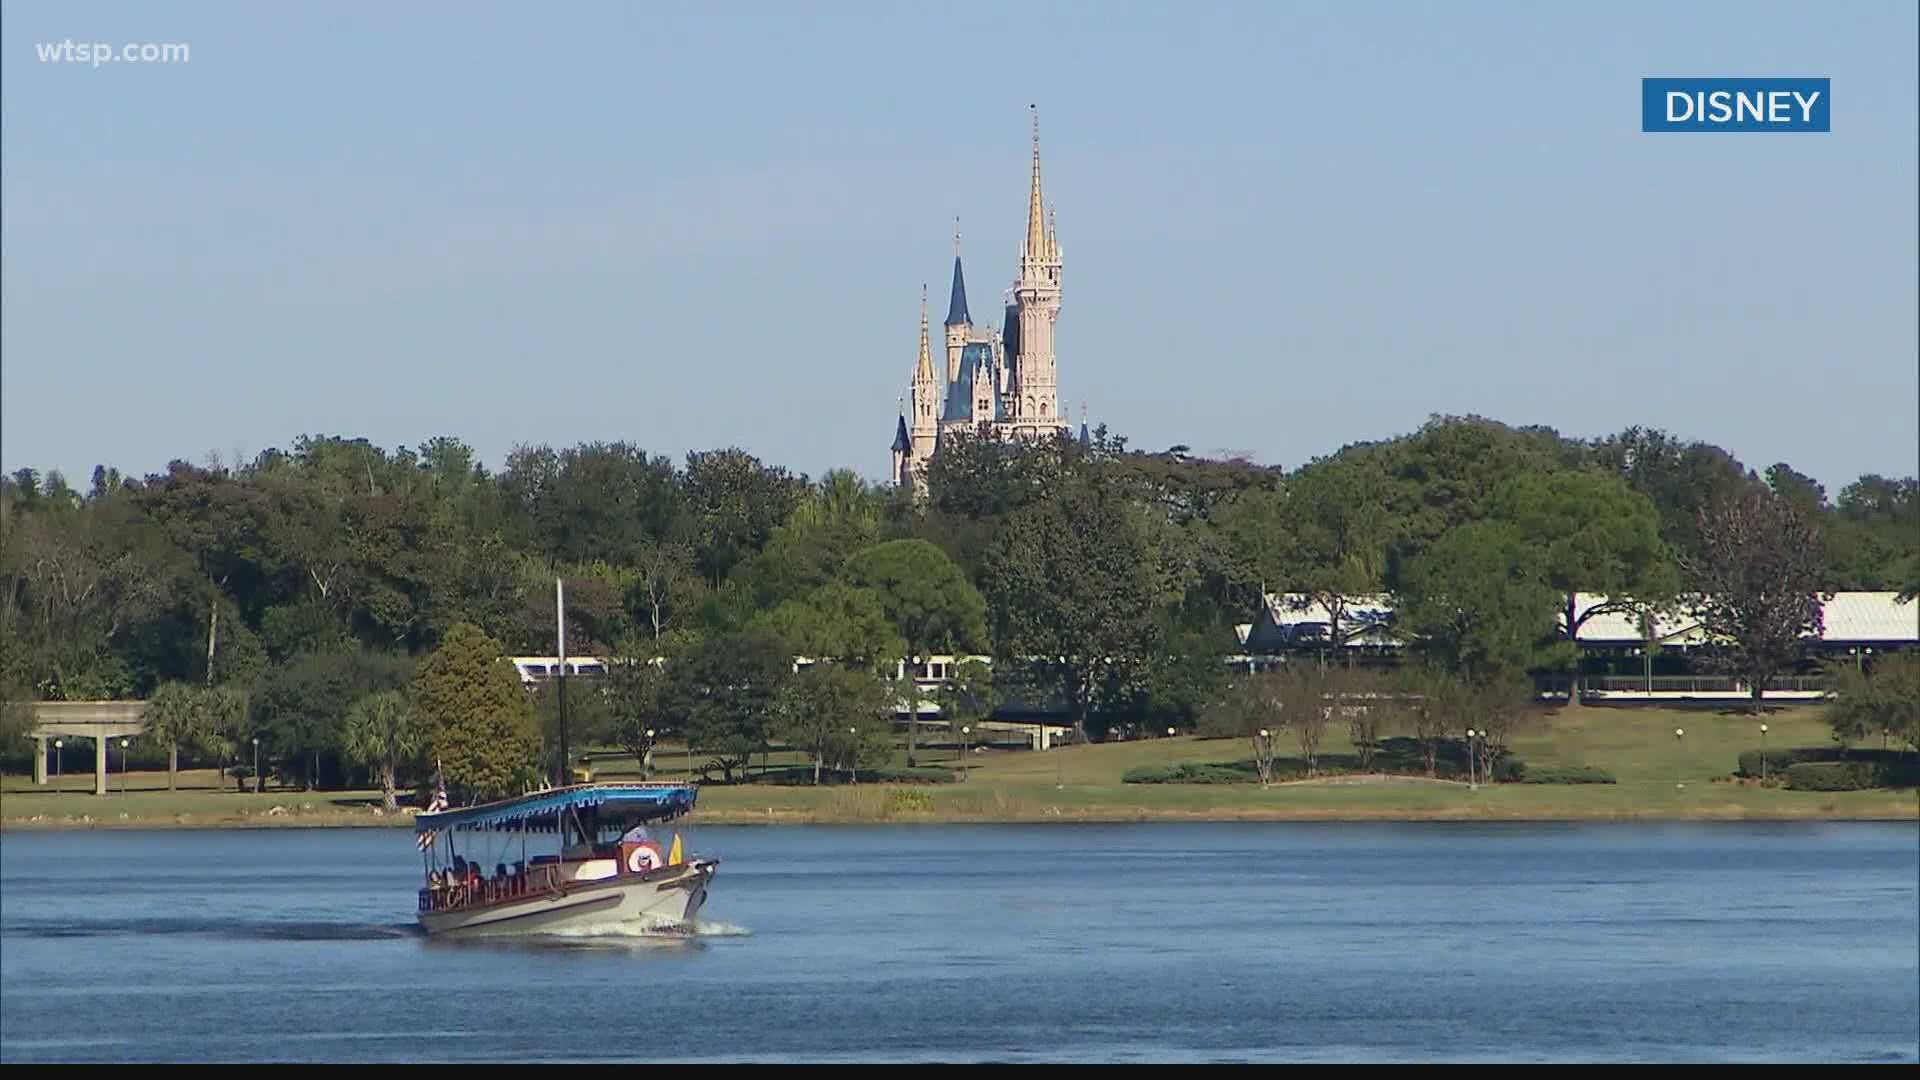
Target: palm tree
{"x": 382, "y": 732}
{"x": 841, "y": 500}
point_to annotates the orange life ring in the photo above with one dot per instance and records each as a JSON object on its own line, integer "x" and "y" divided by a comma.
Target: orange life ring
{"x": 645, "y": 856}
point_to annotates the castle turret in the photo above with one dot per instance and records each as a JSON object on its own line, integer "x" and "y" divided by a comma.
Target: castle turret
{"x": 959, "y": 322}
{"x": 926, "y": 395}
{"x": 1037, "y": 297}
{"x": 902, "y": 450}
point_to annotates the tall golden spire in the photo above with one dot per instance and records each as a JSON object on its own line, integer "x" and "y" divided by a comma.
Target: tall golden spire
{"x": 924, "y": 370}
{"x": 1053, "y": 236}
{"x": 1036, "y": 215}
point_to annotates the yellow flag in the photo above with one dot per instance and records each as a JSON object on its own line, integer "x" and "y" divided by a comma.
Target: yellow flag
{"x": 673, "y": 858}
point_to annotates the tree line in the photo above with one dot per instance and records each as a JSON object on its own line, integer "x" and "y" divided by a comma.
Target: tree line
{"x": 298, "y": 590}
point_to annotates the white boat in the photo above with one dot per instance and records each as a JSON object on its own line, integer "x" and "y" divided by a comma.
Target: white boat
{"x": 607, "y": 872}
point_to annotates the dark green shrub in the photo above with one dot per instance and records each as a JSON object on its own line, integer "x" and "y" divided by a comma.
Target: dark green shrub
{"x": 1779, "y": 758}
{"x": 1567, "y": 774}
{"x": 1883, "y": 768}
{"x": 1831, "y": 776}
{"x": 1191, "y": 774}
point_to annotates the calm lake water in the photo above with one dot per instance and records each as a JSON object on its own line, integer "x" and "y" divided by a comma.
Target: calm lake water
{"x": 1245, "y": 942}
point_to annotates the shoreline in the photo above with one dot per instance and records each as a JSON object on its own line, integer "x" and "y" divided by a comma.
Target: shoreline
{"x": 1044, "y": 815}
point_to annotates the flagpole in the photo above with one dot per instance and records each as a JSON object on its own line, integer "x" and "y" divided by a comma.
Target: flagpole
{"x": 560, "y": 627}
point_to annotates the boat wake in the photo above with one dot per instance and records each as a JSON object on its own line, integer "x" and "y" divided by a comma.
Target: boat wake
{"x": 624, "y": 936}
{"x": 651, "y": 929}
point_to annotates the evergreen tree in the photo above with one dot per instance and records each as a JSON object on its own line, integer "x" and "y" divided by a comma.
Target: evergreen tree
{"x": 479, "y": 721}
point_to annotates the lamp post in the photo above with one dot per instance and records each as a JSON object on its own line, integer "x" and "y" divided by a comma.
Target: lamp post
{"x": 1059, "y": 774}
{"x": 1677, "y": 733}
{"x": 853, "y": 764}
{"x": 646, "y": 763}
{"x": 256, "y": 764}
{"x": 57, "y": 744}
{"x": 1473, "y": 780}
{"x": 123, "y": 766}
{"x": 1763, "y": 755}
{"x": 966, "y": 744}
{"x": 1169, "y": 733}
{"x": 1266, "y": 756}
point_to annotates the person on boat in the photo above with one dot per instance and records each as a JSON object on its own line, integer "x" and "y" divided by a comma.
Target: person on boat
{"x": 642, "y": 853}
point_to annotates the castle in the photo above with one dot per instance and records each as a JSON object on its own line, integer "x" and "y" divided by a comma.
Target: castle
{"x": 1004, "y": 380}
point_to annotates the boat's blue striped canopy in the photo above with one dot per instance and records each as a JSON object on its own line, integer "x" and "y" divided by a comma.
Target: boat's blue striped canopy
{"x": 635, "y": 802}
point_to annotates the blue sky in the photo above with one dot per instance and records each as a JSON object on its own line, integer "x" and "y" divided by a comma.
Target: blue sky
{"x": 1287, "y": 226}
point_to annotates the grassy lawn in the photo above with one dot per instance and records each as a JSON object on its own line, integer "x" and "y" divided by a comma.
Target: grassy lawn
{"x": 142, "y": 798}
{"x": 1083, "y": 783}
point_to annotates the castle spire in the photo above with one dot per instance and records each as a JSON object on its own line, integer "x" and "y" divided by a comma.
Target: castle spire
{"x": 1036, "y": 216}
{"x": 957, "y": 302}
{"x": 923, "y": 371}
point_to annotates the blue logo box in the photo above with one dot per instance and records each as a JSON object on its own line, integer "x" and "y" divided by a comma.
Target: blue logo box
{"x": 1735, "y": 104}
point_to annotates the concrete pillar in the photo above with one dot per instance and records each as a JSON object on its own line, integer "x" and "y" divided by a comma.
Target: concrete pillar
{"x": 40, "y": 759}
{"x": 99, "y": 764}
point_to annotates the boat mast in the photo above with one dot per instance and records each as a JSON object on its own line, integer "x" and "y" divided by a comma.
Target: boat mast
{"x": 560, "y": 620}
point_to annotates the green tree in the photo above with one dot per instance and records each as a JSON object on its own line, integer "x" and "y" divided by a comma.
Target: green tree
{"x": 1885, "y": 700}
{"x": 1337, "y": 532}
{"x": 202, "y": 718}
{"x": 967, "y": 697}
{"x": 79, "y": 582}
{"x": 1873, "y": 534}
{"x": 666, "y": 588}
{"x": 635, "y": 702}
{"x": 1307, "y": 701}
{"x": 1429, "y": 697}
{"x": 1758, "y": 580}
{"x": 300, "y": 708}
{"x": 834, "y": 712}
{"x": 1681, "y": 478}
{"x": 931, "y": 604}
{"x": 1449, "y": 473}
{"x": 1183, "y": 674}
{"x": 1364, "y": 697}
{"x": 1478, "y": 602}
{"x": 479, "y": 722}
{"x": 609, "y": 501}
{"x": 383, "y": 734}
{"x": 1495, "y": 709}
{"x": 837, "y": 621}
{"x": 736, "y": 503}
{"x": 1072, "y": 585}
{"x": 725, "y": 690}
{"x": 219, "y": 520}
{"x": 1252, "y": 707}
{"x": 1592, "y": 534}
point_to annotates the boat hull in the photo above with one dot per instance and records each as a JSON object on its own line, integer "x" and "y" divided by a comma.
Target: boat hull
{"x": 665, "y": 900}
